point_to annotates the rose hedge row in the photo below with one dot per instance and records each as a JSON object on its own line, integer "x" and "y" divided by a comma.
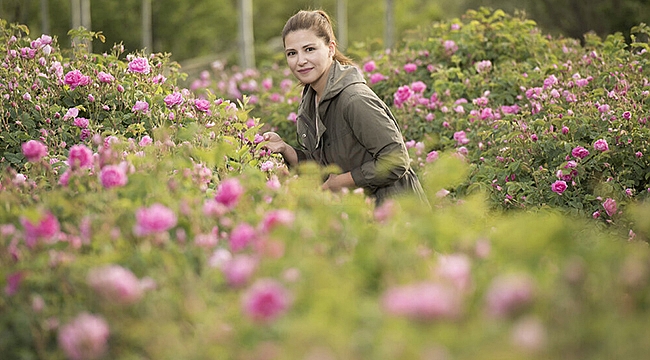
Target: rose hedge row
{"x": 515, "y": 103}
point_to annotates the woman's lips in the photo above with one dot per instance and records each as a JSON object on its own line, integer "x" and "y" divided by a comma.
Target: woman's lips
{"x": 304, "y": 71}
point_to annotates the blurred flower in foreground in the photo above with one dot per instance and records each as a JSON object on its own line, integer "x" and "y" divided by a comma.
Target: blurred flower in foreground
{"x": 155, "y": 219}
{"x": 113, "y": 176}
{"x": 228, "y": 192}
{"x": 266, "y": 300}
{"x": 84, "y": 338}
{"x": 45, "y": 228}
{"x": 507, "y": 294}
{"x": 423, "y": 301}
{"x": 115, "y": 283}
{"x": 34, "y": 150}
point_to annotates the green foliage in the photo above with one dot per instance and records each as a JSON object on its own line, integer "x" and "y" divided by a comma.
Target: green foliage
{"x": 458, "y": 280}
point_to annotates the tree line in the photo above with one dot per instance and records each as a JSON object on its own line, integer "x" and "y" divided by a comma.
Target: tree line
{"x": 203, "y": 28}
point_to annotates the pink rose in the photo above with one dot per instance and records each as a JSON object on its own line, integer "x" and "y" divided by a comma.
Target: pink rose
{"x": 376, "y": 77}
{"x": 228, "y": 192}
{"x": 241, "y": 236}
{"x": 509, "y": 293}
{"x": 140, "y": 106}
{"x": 81, "y": 122}
{"x": 34, "y": 150}
{"x": 410, "y": 67}
{"x": 450, "y": 47}
{"x": 75, "y": 78}
{"x": 277, "y": 217}
{"x": 610, "y": 206}
{"x": 239, "y": 269}
{"x": 456, "y": 268}
{"x": 559, "y": 186}
{"x": 45, "y": 228}
{"x": 115, "y": 284}
{"x": 202, "y": 104}
{"x": 175, "y": 98}
{"x": 105, "y": 77}
{"x": 580, "y": 152}
{"x": 266, "y": 300}
{"x": 155, "y": 219}
{"x": 80, "y": 156}
{"x": 432, "y": 156}
{"x": 139, "y": 65}
{"x": 402, "y": 94}
{"x": 146, "y": 140}
{"x": 84, "y": 338}
{"x": 369, "y": 66}
{"x": 422, "y": 301}
{"x": 113, "y": 176}
{"x": 601, "y": 145}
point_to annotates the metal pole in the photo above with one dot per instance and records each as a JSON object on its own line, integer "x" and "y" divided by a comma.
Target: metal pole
{"x": 86, "y": 21}
{"x": 246, "y": 39}
{"x": 342, "y": 23}
{"x": 147, "y": 37}
{"x": 389, "y": 31}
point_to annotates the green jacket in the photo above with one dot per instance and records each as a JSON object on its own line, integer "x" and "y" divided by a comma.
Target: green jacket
{"x": 358, "y": 133}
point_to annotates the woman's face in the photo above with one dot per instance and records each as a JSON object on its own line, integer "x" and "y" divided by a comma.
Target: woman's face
{"x": 309, "y": 57}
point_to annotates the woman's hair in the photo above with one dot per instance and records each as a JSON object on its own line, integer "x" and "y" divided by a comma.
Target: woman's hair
{"x": 319, "y": 22}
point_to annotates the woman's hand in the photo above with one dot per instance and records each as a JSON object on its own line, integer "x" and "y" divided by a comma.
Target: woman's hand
{"x": 335, "y": 183}
{"x": 275, "y": 143}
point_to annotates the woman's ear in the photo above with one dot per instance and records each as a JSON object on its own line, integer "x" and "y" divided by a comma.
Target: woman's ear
{"x": 332, "y": 48}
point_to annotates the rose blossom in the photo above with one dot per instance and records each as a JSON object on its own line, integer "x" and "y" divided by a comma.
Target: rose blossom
{"x": 84, "y": 338}
{"x": 140, "y": 106}
{"x": 202, "y": 104}
{"x": 154, "y": 219}
{"x": 238, "y": 269}
{"x": 228, "y": 192}
{"x": 175, "y": 98}
{"x": 75, "y": 78}
{"x": 113, "y": 176}
{"x": 81, "y": 122}
{"x": 45, "y": 228}
{"x": 376, "y": 77}
{"x": 610, "y": 206}
{"x": 509, "y": 293}
{"x": 139, "y": 65}
{"x": 422, "y": 301}
{"x": 369, "y": 66}
{"x": 579, "y": 152}
{"x": 456, "y": 268}
{"x": 410, "y": 67}
{"x": 105, "y": 77}
{"x": 115, "y": 284}
{"x": 559, "y": 186}
{"x": 146, "y": 140}
{"x": 241, "y": 236}
{"x": 266, "y": 300}
{"x": 277, "y": 217}
{"x": 34, "y": 150}
{"x": 80, "y": 156}
{"x": 402, "y": 94}
{"x": 601, "y": 145}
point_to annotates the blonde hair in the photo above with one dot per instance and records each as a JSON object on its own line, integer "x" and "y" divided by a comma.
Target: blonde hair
{"x": 319, "y": 22}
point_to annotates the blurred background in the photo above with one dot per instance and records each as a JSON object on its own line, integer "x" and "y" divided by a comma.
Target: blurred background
{"x": 246, "y": 32}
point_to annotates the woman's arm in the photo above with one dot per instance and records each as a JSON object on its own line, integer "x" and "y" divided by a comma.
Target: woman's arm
{"x": 275, "y": 144}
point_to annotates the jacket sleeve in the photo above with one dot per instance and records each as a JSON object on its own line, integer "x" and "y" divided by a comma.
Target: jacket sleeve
{"x": 375, "y": 128}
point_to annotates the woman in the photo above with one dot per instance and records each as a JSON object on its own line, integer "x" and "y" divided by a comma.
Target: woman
{"x": 341, "y": 121}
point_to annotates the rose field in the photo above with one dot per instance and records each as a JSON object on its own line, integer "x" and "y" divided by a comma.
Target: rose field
{"x": 141, "y": 217}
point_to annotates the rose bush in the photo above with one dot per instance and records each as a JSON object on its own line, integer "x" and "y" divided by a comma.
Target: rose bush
{"x": 174, "y": 235}
{"x": 517, "y": 104}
